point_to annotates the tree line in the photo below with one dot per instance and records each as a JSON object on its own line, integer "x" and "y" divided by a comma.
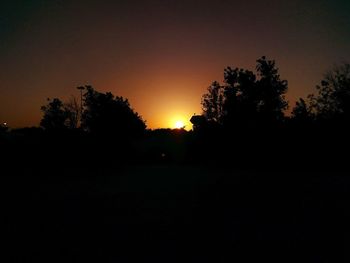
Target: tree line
{"x": 244, "y": 99}
{"x": 100, "y": 113}
{"x": 248, "y": 99}
{"x": 244, "y": 119}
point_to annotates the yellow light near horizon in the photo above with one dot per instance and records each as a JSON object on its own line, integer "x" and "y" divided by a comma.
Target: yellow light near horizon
{"x": 178, "y": 121}
{"x": 179, "y": 124}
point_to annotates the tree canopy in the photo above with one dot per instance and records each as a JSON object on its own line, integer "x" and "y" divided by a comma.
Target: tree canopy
{"x": 55, "y": 116}
{"x": 247, "y": 97}
{"x": 332, "y": 100}
{"x": 105, "y": 113}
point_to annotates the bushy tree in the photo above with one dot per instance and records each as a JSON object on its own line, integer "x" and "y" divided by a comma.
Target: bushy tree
{"x": 332, "y": 100}
{"x": 247, "y": 98}
{"x": 213, "y": 103}
{"x": 60, "y": 116}
{"x": 106, "y": 114}
{"x": 271, "y": 89}
{"x": 241, "y": 96}
{"x": 302, "y": 112}
{"x": 55, "y": 115}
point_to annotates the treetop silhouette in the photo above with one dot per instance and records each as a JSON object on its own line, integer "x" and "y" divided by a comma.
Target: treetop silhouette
{"x": 247, "y": 98}
{"x": 103, "y": 113}
{"x": 55, "y": 116}
{"x": 332, "y": 100}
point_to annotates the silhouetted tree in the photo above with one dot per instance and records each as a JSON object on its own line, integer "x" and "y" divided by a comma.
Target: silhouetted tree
{"x": 72, "y": 109}
{"x": 55, "y": 115}
{"x": 106, "y": 114}
{"x": 272, "y": 102}
{"x": 246, "y": 97}
{"x": 60, "y": 116}
{"x": 302, "y": 112}
{"x": 241, "y": 96}
{"x": 213, "y": 103}
{"x": 333, "y": 98}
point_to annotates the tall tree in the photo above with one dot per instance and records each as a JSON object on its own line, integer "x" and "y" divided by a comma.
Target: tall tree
{"x": 272, "y": 90}
{"x": 247, "y": 98}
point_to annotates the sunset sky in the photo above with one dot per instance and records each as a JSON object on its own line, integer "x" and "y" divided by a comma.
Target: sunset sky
{"x": 161, "y": 55}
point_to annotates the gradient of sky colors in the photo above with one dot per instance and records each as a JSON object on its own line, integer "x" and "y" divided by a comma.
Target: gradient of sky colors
{"x": 161, "y": 55}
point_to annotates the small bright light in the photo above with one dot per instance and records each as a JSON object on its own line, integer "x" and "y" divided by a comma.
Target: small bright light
{"x": 179, "y": 124}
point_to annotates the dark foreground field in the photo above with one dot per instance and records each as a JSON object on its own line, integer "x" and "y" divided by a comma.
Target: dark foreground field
{"x": 176, "y": 213}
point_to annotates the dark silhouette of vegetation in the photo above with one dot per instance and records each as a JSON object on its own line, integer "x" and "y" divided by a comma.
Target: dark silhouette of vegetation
{"x": 59, "y": 116}
{"x": 247, "y": 98}
{"x": 243, "y": 119}
{"x": 105, "y": 114}
{"x": 55, "y": 116}
{"x": 244, "y": 125}
{"x": 302, "y": 112}
{"x": 331, "y": 103}
{"x": 213, "y": 103}
{"x": 333, "y": 98}
{"x": 94, "y": 185}
{"x": 73, "y": 111}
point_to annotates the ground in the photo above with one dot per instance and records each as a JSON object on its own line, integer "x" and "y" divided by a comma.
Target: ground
{"x": 177, "y": 213}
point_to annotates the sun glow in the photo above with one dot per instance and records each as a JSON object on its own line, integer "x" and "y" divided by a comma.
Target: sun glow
{"x": 179, "y": 124}
{"x": 179, "y": 121}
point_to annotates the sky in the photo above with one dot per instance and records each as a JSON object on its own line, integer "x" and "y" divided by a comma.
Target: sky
{"x": 161, "y": 55}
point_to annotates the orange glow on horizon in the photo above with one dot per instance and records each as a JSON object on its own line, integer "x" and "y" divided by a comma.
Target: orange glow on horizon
{"x": 179, "y": 124}
{"x": 162, "y": 63}
{"x": 179, "y": 121}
